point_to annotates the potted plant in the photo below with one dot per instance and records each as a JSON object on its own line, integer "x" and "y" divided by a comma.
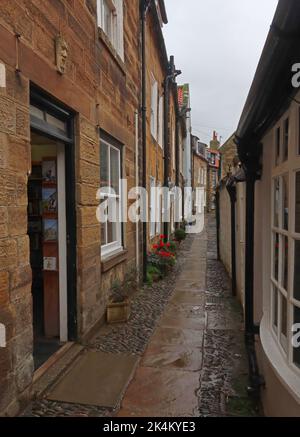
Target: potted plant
{"x": 118, "y": 307}
{"x": 180, "y": 235}
{"x": 153, "y": 274}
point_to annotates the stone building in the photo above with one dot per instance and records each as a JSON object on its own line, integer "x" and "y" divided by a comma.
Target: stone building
{"x": 213, "y": 173}
{"x": 229, "y": 157}
{"x": 163, "y": 123}
{"x": 69, "y": 112}
{"x": 71, "y": 123}
{"x": 199, "y": 166}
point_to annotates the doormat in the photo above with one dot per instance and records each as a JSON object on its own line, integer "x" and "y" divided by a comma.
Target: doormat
{"x": 97, "y": 379}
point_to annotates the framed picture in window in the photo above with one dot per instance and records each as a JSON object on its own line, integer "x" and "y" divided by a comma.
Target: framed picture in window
{"x": 50, "y": 230}
{"x": 49, "y": 170}
{"x": 50, "y": 263}
{"x": 49, "y": 200}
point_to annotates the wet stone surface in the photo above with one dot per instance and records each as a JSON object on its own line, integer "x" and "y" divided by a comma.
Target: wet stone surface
{"x": 188, "y": 331}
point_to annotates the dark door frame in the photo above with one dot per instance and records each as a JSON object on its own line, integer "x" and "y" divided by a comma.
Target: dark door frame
{"x": 47, "y": 103}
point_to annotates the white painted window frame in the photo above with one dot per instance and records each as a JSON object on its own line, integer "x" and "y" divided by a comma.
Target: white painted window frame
{"x": 160, "y": 139}
{"x": 152, "y": 206}
{"x": 116, "y": 246}
{"x": 290, "y": 166}
{"x": 116, "y": 35}
{"x": 154, "y": 108}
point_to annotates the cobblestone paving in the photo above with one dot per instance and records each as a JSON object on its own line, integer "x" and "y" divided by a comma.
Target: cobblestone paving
{"x": 146, "y": 308}
{"x": 219, "y": 378}
{"x": 224, "y": 372}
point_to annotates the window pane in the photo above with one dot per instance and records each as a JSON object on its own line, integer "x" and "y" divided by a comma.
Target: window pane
{"x": 59, "y": 124}
{"x": 285, "y": 262}
{"x": 104, "y": 165}
{"x": 286, "y": 140}
{"x": 115, "y": 169}
{"x": 277, "y": 158}
{"x": 297, "y": 349}
{"x": 297, "y": 206}
{"x": 276, "y": 256}
{"x": 111, "y": 232}
{"x": 103, "y": 234}
{"x": 297, "y": 271}
{"x": 285, "y": 194}
{"x": 283, "y": 316}
{"x": 276, "y": 202}
{"x": 275, "y": 307}
{"x": 107, "y": 19}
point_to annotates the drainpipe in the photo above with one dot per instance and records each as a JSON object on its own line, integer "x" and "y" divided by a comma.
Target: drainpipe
{"x": 252, "y": 173}
{"x": 231, "y": 188}
{"x": 137, "y": 230}
{"x": 168, "y": 81}
{"x": 166, "y": 141}
{"x": 144, "y": 6}
{"x": 217, "y": 220}
{"x": 177, "y": 155}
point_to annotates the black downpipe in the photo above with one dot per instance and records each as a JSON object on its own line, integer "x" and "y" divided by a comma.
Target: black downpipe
{"x": 144, "y": 5}
{"x": 166, "y": 143}
{"x": 255, "y": 379}
{"x": 217, "y": 220}
{"x": 232, "y": 194}
{"x": 249, "y": 258}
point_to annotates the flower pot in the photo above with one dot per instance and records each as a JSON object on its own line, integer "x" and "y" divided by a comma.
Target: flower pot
{"x": 118, "y": 312}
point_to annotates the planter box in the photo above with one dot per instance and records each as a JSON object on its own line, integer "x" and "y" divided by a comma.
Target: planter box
{"x": 118, "y": 312}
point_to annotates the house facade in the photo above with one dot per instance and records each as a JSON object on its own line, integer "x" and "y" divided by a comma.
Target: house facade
{"x": 70, "y": 104}
{"x": 213, "y": 173}
{"x": 199, "y": 167}
{"x": 184, "y": 102}
{"x": 71, "y": 127}
{"x": 266, "y": 193}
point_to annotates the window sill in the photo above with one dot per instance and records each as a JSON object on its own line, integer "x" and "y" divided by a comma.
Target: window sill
{"x": 111, "y": 261}
{"x": 287, "y": 376}
{"x": 106, "y": 41}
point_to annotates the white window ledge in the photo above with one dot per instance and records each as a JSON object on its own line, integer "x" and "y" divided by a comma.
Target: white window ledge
{"x": 289, "y": 378}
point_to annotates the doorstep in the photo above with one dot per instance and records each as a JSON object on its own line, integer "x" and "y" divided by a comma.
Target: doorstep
{"x": 52, "y": 369}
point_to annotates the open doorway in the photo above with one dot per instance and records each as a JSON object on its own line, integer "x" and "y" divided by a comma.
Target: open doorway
{"x": 47, "y": 234}
{"x": 52, "y": 225}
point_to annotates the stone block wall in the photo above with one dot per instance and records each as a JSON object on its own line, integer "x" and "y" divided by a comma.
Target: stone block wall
{"x": 103, "y": 92}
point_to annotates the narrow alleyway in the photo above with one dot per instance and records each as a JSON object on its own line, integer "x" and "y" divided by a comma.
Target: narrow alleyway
{"x": 187, "y": 337}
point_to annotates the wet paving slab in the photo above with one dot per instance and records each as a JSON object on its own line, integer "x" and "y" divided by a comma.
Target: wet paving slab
{"x": 161, "y": 392}
{"x": 188, "y": 336}
{"x": 198, "y": 345}
{"x": 179, "y": 356}
{"x": 176, "y": 336}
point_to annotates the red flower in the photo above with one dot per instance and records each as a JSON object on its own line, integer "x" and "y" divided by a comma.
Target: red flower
{"x": 162, "y": 237}
{"x": 161, "y": 244}
{"x": 155, "y": 246}
{"x": 168, "y": 245}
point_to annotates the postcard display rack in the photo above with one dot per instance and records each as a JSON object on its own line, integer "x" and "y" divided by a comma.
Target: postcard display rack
{"x": 43, "y": 230}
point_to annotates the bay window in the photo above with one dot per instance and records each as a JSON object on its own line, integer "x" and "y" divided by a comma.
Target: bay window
{"x": 285, "y": 272}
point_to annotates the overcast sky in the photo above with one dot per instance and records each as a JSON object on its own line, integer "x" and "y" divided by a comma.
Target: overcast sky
{"x": 217, "y": 45}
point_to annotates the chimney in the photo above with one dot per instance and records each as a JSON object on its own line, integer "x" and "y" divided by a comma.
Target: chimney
{"x": 215, "y": 144}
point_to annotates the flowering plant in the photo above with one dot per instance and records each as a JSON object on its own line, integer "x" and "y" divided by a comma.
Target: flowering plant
{"x": 162, "y": 257}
